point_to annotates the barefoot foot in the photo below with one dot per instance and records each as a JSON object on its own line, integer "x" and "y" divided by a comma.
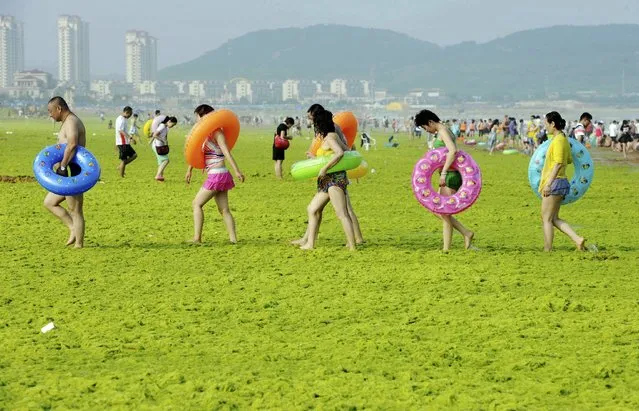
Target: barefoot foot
{"x": 300, "y": 241}
{"x": 71, "y": 240}
{"x": 468, "y": 240}
{"x": 581, "y": 244}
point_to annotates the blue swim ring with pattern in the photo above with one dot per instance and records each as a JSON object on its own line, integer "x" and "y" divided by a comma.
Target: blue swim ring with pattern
{"x": 84, "y": 168}
{"x": 581, "y": 179}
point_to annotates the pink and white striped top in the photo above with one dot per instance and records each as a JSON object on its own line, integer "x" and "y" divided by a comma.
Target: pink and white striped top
{"x": 213, "y": 154}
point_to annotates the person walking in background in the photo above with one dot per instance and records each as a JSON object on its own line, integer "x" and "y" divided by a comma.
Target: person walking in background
{"x": 455, "y": 128}
{"x": 533, "y": 129}
{"x": 580, "y": 129}
{"x": 126, "y": 153}
{"x": 133, "y": 130}
{"x": 599, "y": 134}
{"x": 613, "y": 129}
{"x": 492, "y": 137}
{"x": 298, "y": 126}
{"x": 160, "y": 143}
{"x": 523, "y": 129}
{"x": 512, "y": 131}
{"x": 157, "y": 119}
{"x": 624, "y": 137}
{"x": 471, "y": 129}
{"x": 280, "y": 144}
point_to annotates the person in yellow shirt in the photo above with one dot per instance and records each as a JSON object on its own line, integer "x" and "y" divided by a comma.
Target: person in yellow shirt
{"x": 532, "y": 129}
{"x": 554, "y": 185}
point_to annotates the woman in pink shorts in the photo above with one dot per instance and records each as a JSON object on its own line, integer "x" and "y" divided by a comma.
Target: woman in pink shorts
{"x": 219, "y": 180}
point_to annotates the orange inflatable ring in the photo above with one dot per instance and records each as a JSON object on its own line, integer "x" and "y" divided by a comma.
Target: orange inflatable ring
{"x": 317, "y": 142}
{"x": 347, "y": 122}
{"x": 224, "y": 120}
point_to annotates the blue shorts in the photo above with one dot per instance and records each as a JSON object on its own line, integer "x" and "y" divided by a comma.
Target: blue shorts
{"x": 560, "y": 187}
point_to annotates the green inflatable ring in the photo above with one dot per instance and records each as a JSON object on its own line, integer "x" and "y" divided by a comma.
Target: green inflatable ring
{"x": 310, "y": 168}
{"x": 511, "y": 151}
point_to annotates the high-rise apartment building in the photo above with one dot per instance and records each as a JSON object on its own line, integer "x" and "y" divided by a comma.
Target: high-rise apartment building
{"x": 141, "y": 57}
{"x": 73, "y": 50}
{"x": 11, "y": 49}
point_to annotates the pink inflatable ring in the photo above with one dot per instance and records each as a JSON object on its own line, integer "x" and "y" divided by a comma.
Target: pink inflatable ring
{"x": 429, "y": 197}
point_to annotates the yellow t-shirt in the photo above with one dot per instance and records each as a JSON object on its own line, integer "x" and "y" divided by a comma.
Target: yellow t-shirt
{"x": 532, "y": 129}
{"x": 558, "y": 153}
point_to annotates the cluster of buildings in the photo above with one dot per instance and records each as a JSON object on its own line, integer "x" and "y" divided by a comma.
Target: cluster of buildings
{"x": 74, "y": 75}
{"x": 141, "y": 84}
{"x": 239, "y": 90}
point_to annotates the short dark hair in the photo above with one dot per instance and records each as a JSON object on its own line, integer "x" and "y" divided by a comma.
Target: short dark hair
{"x": 127, "y": 110}
{"x": 203, "y": 109}
{"x": 424, "y": 117}
{"x": 135, "y": 115}
{"x": 323, "y": 122}
{"x": 60, "y": 102}
{"x": 314, "y": 109}
{"x": 157, "y": 112}
{"x": 586, "y": 116}
{"x": 169, "y": 118}
{"x": 289, "y": 120}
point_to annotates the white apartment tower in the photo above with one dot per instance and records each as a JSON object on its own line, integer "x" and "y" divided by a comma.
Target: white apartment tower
{"x": 11, "y": 49}
{"x": 244, "y": 90}
{"x": 291, "y": 90}
{"x": 141, "y": 57}
{"x": 73, "y": 50}
{"x": 338, "y": 87}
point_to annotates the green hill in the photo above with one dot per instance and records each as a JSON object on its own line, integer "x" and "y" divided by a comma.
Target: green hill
{"x": 525, "y": 64}
{"x": 321, "y": 52}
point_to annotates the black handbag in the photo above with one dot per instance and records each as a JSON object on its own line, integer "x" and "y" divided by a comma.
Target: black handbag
{"x": 162, "y": 150}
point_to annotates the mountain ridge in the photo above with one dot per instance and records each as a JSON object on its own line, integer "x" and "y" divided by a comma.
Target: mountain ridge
{"x": 529, "y": 63}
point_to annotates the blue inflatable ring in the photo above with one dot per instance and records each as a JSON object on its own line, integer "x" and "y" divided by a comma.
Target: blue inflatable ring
{"x": 66, "y": 186}
{"x": 581, "y": 180}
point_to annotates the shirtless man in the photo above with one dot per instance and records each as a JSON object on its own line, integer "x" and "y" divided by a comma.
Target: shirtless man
{"x": 73, "y": 133}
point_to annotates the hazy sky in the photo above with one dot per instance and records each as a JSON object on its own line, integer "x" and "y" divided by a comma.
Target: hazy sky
{"x": 187, "y": 29}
